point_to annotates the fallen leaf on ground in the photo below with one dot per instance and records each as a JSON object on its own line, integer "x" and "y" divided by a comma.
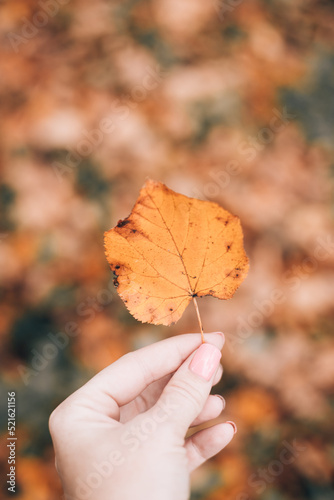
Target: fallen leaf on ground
{"x": 171, "y": 249}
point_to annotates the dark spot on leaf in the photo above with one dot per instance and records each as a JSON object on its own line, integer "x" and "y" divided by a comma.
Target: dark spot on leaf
{"x": 226, "y": 222}
{"x": 122, "y": 223}
{"x": 228, "y": 248}
{"x": 170, "y": 308}
{"x": 194, "y": 295}
{"x": 133, "y": 230}
{"x": 117, "y": 267}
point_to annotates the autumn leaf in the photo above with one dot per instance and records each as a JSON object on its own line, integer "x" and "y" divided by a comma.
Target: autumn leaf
{"x": 172, "y": 249}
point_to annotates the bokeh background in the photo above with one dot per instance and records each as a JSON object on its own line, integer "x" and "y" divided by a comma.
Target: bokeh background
{"x": 230, "y": 101}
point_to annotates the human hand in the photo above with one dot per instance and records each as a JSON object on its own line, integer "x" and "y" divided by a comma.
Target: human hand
{"x": 122, "y": 435}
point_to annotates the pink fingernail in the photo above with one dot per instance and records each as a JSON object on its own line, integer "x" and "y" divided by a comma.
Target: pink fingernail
{"x": 206, "y": 361}
{"x": 233, "y": 425}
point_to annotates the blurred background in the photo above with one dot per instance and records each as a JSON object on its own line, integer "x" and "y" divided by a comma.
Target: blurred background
{"x": 224, "y": 100}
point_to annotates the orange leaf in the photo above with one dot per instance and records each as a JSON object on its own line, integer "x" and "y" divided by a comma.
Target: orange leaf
{"x": 172, "y": 248}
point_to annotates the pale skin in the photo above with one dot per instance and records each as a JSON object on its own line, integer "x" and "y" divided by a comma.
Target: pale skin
{"x": 123, "y": 434}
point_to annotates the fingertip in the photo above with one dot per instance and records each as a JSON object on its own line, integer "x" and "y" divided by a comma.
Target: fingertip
{"x": 234, "y": 426}
{"x": 220, "y": 335}
{"x": 213, "y": 407}
{"x": 225, "y": 433}
{"x": 223, "y": 402}
{"x": 207, "y": 443}
{"x": 216, "y": 338}
{"x": 218, "y": 374}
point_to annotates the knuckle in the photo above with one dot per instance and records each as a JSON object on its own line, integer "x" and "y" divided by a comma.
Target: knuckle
{"x": 188, "y": 391}
{"x": 53, "y": 421}
{"x": 59, "y": 418}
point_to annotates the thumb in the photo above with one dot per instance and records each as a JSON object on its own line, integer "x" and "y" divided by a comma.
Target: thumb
{"x": 186, "y": 393}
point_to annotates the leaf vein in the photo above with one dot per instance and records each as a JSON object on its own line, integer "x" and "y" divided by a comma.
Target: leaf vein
{"x": 149, "y": 263}
{"x": 172, "y": 237}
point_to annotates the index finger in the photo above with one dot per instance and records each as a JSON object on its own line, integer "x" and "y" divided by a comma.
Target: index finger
{"x": 127, "y": 377}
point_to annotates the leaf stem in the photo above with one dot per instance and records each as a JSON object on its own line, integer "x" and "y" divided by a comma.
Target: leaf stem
{"x": 199, "y": 319}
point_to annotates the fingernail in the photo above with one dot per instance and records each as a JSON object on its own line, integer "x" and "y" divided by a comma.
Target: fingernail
{"x": 206, "y": 361}
{"x": 222, "y": 399}
{"x": 233, "y": 425}
{"x": 220, "y": 333}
